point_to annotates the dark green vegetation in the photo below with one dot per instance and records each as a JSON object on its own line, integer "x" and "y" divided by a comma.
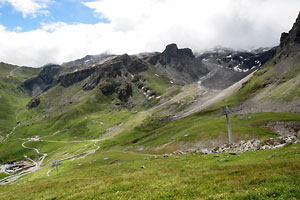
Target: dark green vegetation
{"x": 269, "y": 174}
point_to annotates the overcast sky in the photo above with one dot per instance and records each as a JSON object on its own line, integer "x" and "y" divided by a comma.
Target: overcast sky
{"x": 37, "y": 32}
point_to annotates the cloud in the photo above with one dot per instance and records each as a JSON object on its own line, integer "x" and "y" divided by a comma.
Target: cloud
{"x": 148, "y": 25}
{"x": 29, "y": 7}
{"x": 18, "y": 29}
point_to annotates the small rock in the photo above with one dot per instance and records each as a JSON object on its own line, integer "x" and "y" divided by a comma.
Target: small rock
{"x": 185, "y": 135}
{"x": 165, "y": 155}
{"x": 141, "y": 148}
{"x": 156, "y": 157}
{"x": 143, "y": 167}
{"x": 223, "y": 160}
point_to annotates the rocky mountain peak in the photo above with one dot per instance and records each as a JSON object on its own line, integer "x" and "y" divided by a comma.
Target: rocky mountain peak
{"x": 173, "y": 54}
{"x": 173, "y": 51}
{"x": 293, "y": 36}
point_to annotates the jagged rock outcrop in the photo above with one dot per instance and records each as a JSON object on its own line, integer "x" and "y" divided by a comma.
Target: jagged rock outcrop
{"x": 69, "y": 79}
{"x": 115, "y": 68}
{"x": 293, "y": 36}
{"x": 44, "y": 81}
{"x": 125, "y": 91}
{"x": 34, "y": 103}
{"x": 179, "y": 64}
{"x": 108, "y": 87}
{"x": 173, "y": 54}
{"x": 239, "y": 61}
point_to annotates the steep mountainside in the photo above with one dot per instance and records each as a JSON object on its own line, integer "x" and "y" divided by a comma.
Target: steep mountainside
{"x": 13, "y": 97}
{"x": 275, "y": 87}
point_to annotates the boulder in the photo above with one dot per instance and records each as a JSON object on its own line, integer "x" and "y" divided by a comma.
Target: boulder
{"x": 34, "y": 103}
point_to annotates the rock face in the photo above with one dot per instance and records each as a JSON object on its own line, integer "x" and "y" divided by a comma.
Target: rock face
{"x": 179, "y": 64}
{"x": 173, "y": 54}
{"x": 44, "y": 81}
{"x": 115, "y": 72}
{"x": 33, "y": 103}
{"x": 69, "y": 79}
{"x": 125, "y": 92}
{"x": 239, "y": 61}
{"x": 293, "y": 36}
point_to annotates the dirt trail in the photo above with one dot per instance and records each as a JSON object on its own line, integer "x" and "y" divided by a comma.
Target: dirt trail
{"x": 11, "y": 132}
{"x": 39, "y": 162}
{"x": 11, "y": 73}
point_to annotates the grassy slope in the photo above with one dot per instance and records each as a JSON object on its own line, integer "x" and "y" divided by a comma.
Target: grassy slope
{"x": 12, "y": 97}
{"x": 269, "y": 174}
{"x": 88, "y": 117}
{"x": 99, "y": 179}
{"x": 13, "y": 101}
{"x": 280, "y": 81}
{"x": 202, "y": 127}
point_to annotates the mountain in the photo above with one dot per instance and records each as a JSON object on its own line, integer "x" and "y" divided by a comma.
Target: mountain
{"x": 275, "y": 87}
{"x": 107, "y": 126}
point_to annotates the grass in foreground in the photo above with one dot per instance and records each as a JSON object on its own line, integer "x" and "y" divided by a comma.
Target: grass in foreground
{"x": 269, "y": 174}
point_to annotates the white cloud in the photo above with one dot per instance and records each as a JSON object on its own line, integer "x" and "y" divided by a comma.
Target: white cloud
{"x": 29, "y": 7}
{"x": 148, "y": 25}
{"x": 18, "y": 29}
{"x": 52, "y": 26}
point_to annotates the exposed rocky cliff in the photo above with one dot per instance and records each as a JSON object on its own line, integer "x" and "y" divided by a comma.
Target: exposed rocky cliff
{"x": 293, "y": 36}
{"x": 179, "y": 64}
{"x": 237, "y": 60}
{"x": 119, "y": 75}
{"x": 121, "y": 69}
{"x": 275, "y": 88}
{"x": 44, "y": 81}
{"x": 69, "y": 79}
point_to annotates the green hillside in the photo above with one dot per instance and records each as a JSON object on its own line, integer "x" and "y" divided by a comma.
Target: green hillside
{"x": 270, "y": 174}
{"x": 102, "y": 140}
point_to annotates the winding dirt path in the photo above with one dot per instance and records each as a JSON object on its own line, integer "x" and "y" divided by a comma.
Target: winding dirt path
{"x": 37, "y": 164}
